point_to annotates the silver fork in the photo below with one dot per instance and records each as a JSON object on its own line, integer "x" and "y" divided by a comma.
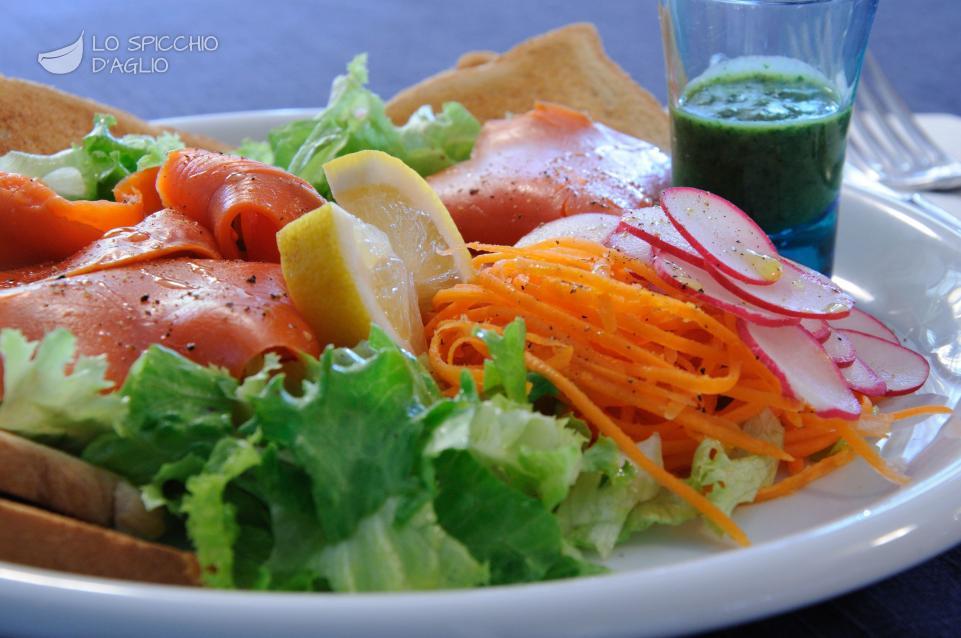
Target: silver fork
{"x": 887, "y": 144}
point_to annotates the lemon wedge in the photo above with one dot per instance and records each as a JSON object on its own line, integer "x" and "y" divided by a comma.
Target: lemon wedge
{"x": 383, "y": 191}
{"x": 342, "y": 275}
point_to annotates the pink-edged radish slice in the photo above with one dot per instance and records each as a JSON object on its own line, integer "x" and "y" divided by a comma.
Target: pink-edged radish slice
{"x": 902, "y": 370}
{"x": 800, "y": 292}
{"x": 863, "y": 322}
{"x": 839, "y": 348}
{"x": 700, "y": 284}
{"x": 729, "y": 240}
{"x": 818, "y": 328}
{"x": 863, "y": 379}
{"x": 656, "y": 228}
{"x": 631, "y": 246}
{"x": 804, "y": 368}
{"x": 596, "y": 227}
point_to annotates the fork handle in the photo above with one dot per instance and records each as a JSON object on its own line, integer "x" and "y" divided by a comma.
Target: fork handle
{"x": 932, "y": 209}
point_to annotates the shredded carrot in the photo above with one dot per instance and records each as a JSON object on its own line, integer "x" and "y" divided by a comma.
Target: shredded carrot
{"x": 806, "y": 476}
{"x": 634, "y": 356}
{"x": 907, "y": 413}
{"x": 796, "y": 466}
{"x": 811, "y": 445}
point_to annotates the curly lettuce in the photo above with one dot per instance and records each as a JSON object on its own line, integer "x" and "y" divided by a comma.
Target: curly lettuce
{"x": 51, "y": 394}
{"x": 91, "y": 168}
{"x": 354, "y": 119}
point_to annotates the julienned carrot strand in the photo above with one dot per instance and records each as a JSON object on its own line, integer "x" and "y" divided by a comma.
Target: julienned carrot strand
{"x": 807, "y": 447}
{"x": 806, "y": 476}
{"x": 679, "y": 446}
{"x": 730, "y": 436}
{"x": 472, "y": 341}
{"x": 907, "y": 413}
{"x": 796, "y": 466}
{"x": 616, "y": 381}
{"x": 608, "y": 428}
{"x": 796, "y": 435}
{"x": 742, "y": 412}
{"x": 768, "y": 398}
{"x": 866, "y": 451}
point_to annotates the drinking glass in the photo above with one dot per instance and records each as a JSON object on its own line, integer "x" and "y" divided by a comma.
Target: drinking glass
{"x": 760, "y": 99}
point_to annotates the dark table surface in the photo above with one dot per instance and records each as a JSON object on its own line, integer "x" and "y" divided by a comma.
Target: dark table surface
{"x": 284, "y": 54}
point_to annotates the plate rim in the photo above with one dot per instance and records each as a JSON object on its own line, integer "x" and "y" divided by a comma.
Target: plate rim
{"x": 841, "y": 543}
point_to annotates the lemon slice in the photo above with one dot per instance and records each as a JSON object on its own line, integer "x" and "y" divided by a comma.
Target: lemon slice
{"x": 343, "y": 275}
{"x": 383, "y": 191}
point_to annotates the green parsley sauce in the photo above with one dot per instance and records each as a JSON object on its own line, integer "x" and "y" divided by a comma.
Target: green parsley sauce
{"x": 771, "y": 142}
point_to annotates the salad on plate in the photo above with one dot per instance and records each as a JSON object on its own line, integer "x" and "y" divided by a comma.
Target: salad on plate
{"x": 368, "y": 356}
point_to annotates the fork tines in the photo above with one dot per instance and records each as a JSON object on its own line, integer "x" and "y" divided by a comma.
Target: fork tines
{"x": 886, "y": 141}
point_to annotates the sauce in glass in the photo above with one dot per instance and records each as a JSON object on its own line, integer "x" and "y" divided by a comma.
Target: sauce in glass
{"x": 772, "y": 143}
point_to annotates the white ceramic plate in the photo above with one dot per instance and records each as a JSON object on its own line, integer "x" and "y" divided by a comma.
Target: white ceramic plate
{"x": 846, "y": 531}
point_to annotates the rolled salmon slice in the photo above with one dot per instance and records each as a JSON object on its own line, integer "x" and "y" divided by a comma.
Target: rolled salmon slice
{"x": 242, "y": 202}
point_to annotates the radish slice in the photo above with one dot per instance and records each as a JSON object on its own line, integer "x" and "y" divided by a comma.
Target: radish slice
{"x": 863, "y": 379}
{"x": 839, "y": 348}
{"x": 656, "y": 228}
{"x": 902, "y": 370}
{"x": 704, "y": 287}
{"x": 631, "y": 246}
{"x": 596, "y": 227}
{"x": 818, "y": 328}
{"x": 863, "y": 322}
{"x": 800, "y": 292}
{"x": 723, "y": 234}
{"x": 805, "y": 370}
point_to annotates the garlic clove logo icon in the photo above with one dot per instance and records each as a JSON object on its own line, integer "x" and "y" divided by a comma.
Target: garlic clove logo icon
{"x": 66, "y": 59}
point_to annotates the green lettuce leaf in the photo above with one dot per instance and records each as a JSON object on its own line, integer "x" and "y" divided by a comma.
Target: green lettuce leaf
{"x": 727, "y": 481}
{"x": 354, "y": 119}
{"x": 297, "y": 538}
{"x": 594, "y": 514}
{"x": 534, "y": 453}
{"x": 90, "y": 169}
{"x": 385, "y": 556}
{"x": 504, "y": 370}
{"x": 512, "y": 532}
{"x": 177, "y": 408}
{"x": 432, "y": 142}
{"x": 353, "y": 430}
{"x": 43, "y": 401}
{"x": 256, "y": 150}
{"x": 211, "y": 520}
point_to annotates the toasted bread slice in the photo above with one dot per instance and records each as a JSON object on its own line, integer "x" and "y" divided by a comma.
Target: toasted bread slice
{"x": 567, "y": 66}
{"x": 36, "y": 118}
{"x": 31, "y": 536}
{"x": 62, "y": 483}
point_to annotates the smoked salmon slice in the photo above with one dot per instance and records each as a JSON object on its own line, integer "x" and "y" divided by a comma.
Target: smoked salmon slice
{"x": 243, "y": 202}
{"x": 548, "y": 163}
{"x": 165, "y": 233}
{"x": 37, "y": 225}
{"x": 140, "y": 186}
{"x": 226, "y": 313}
